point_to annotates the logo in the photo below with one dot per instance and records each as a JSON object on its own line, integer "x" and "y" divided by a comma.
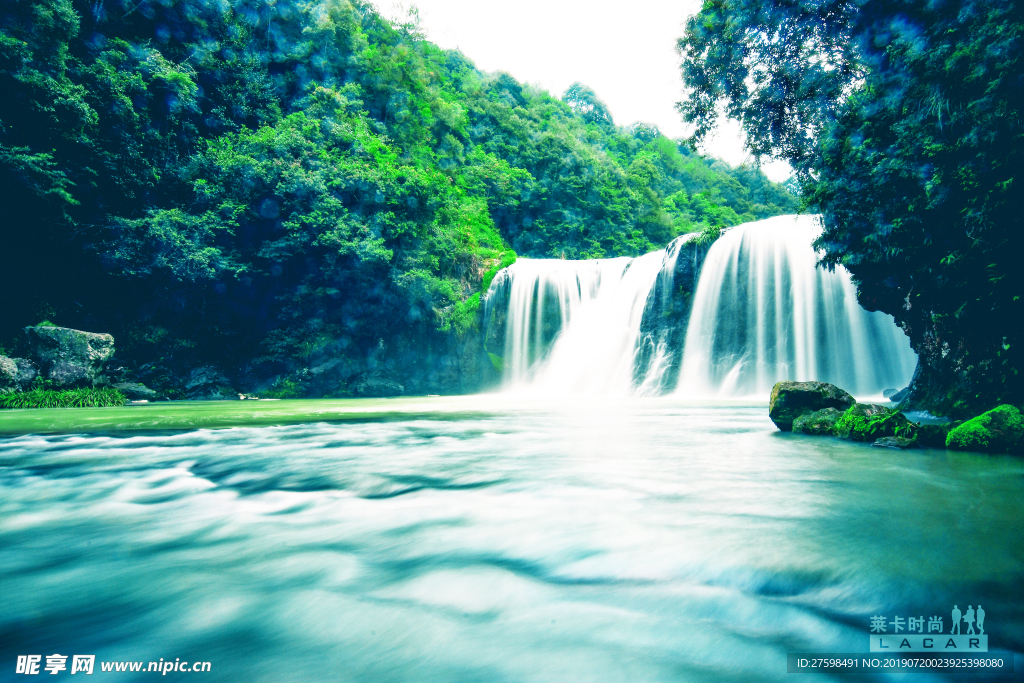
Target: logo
{"x": 909, "y": 634}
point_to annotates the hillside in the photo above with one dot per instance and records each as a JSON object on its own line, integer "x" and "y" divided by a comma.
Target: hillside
{"x": 266, "y": 188}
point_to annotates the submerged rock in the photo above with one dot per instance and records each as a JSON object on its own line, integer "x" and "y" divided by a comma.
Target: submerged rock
{"x": 818, "y": 423}
{"x": 1000, "y": 430}
{"x": 894, "y": 442}
{"x": 869, "y": 421}
{"x": 790, "y": 400}
{"x": 70, "y": 358}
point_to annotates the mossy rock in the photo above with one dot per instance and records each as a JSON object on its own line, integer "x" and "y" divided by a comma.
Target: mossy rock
{"x": 790, "y": 400}
{"x": 1000, "y": 430}
{"x": 818, "y": 423}
{"x": 870, "y": 422}
{"x": 933, "y": 435}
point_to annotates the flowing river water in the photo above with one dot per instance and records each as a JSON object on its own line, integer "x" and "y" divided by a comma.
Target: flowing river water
{"x": 496, "y": 538}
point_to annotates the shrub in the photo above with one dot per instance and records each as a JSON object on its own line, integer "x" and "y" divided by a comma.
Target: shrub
{"x": 67, "y": 398}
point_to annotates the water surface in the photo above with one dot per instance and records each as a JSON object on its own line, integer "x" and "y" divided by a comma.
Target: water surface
{"x": 493, "y": 539}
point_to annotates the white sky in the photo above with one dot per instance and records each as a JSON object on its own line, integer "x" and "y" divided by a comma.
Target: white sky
{"x": 624, "y": 52}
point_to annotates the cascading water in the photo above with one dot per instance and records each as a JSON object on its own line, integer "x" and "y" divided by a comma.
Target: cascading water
{"x": 762, "y": 311}
{"x": 574, "y": 326}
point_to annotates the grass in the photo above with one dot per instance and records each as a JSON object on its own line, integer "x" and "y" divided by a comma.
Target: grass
{"x": 188, "y": 415}
{"x": 66, "y": 398}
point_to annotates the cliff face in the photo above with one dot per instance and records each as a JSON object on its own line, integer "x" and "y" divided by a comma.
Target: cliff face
{"x": 953, "y": 377}
{"x": 668, "y": 313}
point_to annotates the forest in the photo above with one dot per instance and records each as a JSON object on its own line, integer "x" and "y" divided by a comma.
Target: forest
{"x": 263, "y": 187}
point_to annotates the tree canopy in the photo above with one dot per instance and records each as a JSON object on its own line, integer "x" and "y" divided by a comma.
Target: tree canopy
{"x": 902, "y": 119}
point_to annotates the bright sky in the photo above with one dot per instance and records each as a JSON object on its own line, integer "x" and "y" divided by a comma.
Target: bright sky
{"x": 625, "y": 52}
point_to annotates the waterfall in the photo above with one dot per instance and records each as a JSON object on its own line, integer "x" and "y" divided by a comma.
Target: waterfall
{"x": 574, "y": 326}
{"x": 762, "y": 311}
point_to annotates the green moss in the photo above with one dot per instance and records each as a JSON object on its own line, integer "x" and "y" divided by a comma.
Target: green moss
{"x": 1000, "y": 430}
{"x": 68, "y": 398}
{"x": 855, "y": 425}
{"x": 507, "y": 259}
{"x": 497, "y": 361}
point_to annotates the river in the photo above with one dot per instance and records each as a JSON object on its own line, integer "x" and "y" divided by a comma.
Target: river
{"x": 632, "y": 539}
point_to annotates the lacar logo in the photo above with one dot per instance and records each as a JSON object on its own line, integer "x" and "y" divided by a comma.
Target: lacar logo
{"x": 909, "y": 634}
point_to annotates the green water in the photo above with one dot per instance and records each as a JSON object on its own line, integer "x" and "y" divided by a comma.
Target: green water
{"x": 219, "y": 414}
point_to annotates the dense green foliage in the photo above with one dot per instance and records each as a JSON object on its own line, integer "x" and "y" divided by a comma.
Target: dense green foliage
{"x": 247, "y": 181}
{"x": 65, "y": 398}
{"x": 902, "y": 119}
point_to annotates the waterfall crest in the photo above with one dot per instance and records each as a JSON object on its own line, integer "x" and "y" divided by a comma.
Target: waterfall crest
{"x": 762, "y": 311}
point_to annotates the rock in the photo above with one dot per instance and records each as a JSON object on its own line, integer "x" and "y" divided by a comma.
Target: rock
{"x": 376, "y": 386}
{"x": 136, "y": 391}
{"x": 818, "y": 423}
{"x": 70, "y": 358}
{"x": 894, "y": 442}
{"x": 790, "y": 400}
{"x": 899, "y": 395}
{"x": 1000, "y": 430}
{"x": 886, "y": 393}
{"x": 869, "y": 421}
{"x": 208, "y": 384}
{"x": 933, "y": 435}
{"x": 27, "y": 372}
{"x": 8, "y": 376}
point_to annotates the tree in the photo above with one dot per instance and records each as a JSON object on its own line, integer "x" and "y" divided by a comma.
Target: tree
{"x": 902, "y": 119}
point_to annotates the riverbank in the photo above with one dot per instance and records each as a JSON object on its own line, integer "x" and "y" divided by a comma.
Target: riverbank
{"x": 187, "y": 415}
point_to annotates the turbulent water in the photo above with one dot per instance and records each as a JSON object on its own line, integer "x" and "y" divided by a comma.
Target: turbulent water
{"x": 762, "y": 312}
{"x": 635, "y": 540}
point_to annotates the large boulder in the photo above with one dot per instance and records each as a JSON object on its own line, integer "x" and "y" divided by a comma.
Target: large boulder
{"x": 819, "y": 423}
{"x": 869, "y": 422}
{"x": 790, "y": 400}
{"x": 27, "y": 372}
{"x": 208, "y": 384}
{"x": 375, "y": 385}
{"x": 1000, "y": 430}
{"x": 8, "y": 376}
{"x": 70, "y": 358}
